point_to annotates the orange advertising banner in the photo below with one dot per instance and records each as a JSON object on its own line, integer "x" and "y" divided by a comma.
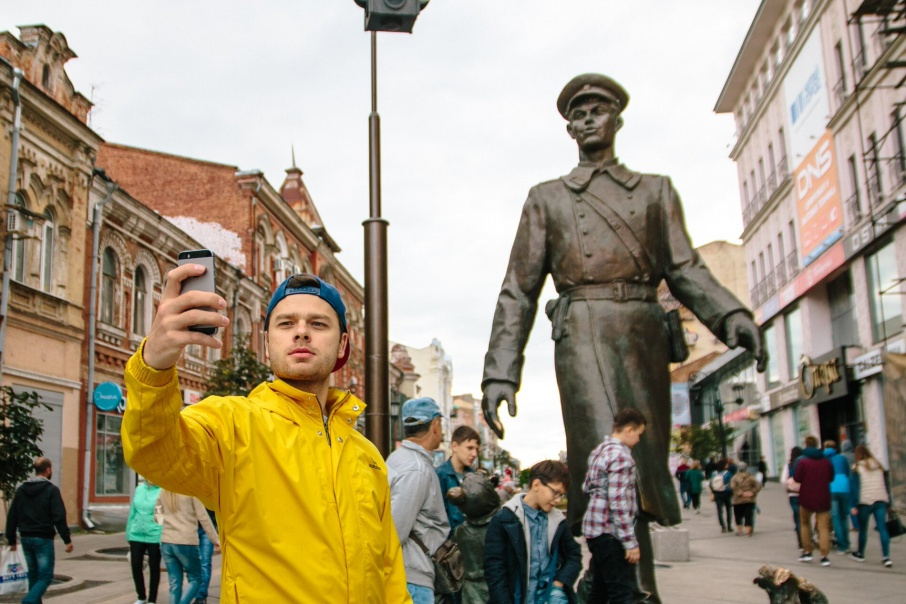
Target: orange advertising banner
{"x": 818, "y": 197}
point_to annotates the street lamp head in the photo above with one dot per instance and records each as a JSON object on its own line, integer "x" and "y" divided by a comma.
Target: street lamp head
{"x": 391, "y": 15}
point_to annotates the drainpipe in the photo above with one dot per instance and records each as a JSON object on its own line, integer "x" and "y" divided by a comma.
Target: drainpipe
{"x": 10, "y": 210}
{"x": 92, "y": 326}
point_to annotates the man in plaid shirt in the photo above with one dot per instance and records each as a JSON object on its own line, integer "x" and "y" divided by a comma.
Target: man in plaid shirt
{"x": 609, "y": 523}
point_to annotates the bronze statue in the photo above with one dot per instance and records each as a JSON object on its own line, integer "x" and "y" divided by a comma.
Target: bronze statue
{"x": 479, "y": 501}
{"x": 607, "y": 236}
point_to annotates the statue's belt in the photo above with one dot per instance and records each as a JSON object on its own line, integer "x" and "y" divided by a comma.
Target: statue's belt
{"x": 618, "y": 291}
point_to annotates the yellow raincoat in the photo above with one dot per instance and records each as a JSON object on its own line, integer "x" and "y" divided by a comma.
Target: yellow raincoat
{"x": 303, "y": 511}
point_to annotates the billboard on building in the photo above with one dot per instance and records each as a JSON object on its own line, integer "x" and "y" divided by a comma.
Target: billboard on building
{"x": 820, "y": 207}
{"x": 682, "y": 411}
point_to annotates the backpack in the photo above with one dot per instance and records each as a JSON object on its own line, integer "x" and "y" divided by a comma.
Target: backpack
{"x": 717, "y": 483}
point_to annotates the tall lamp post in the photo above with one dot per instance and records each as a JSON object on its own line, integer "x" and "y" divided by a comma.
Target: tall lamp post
{"x": 392, "y": 16}
{"x": 695, "y": 391}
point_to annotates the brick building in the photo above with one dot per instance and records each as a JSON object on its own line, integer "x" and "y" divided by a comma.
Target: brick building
{"x": 245, "y": 221}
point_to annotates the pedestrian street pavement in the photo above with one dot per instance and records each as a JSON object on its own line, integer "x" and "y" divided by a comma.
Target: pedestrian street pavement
{"x": 720, "y": 571}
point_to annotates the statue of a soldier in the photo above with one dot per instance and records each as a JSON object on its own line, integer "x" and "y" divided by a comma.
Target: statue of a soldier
{"x": 607, "y": 236}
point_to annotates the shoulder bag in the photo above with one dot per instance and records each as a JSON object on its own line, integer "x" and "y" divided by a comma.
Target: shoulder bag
{"x": 449, "y": 572}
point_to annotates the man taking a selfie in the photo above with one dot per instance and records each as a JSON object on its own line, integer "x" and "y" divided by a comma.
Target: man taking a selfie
{"x": 301, "y": 497}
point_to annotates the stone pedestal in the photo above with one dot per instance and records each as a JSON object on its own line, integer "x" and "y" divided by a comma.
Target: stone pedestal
{"x": 670, "y": 544}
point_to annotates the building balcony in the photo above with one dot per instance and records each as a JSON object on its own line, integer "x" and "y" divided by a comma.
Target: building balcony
{"x": 853, "y": 208}
{"x": 781, "y": 275}
{"x": 875, "y": 196}
{"x": 769, "y": 285}
{"x": 896, "y": 170}
{"x": 766, "y": 193}
{"x": 839, "y": 94}
{"x": 792, "y": 262}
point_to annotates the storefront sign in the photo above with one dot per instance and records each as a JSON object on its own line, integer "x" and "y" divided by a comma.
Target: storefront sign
{"x": 190, "y": 397}
{"x": 741, "y": 415}
{"x": 108, "y": 396}
{"x": 785, "y": 396}
{"x": 871, "y": 363}
{"x": 823, "y": 378}
{"x": 868, "y": 232}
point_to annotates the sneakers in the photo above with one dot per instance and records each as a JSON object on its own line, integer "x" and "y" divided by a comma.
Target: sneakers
{"x": 887, "y": 562}
{"x": 806, "y": 557}
{"x": 857, "y": 556}
{"x": 825, "y": 561}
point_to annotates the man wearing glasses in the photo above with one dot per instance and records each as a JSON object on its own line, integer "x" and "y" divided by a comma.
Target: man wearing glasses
{"x": 530, "y": 534}
{"x": 302, "y": 498}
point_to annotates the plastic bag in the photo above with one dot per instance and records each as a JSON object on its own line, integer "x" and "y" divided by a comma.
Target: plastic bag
{"x": 13, "y": 572}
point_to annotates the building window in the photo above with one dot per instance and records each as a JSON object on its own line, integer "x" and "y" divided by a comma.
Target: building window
{"x": 874, "y": 170}
{"x": 770, "y": 342}
{"x": 793, "y": 326}
{"x": 19, "y": 241}
{"x": 108, "y": 286}
{"x": 45, "y": 77}
{"x": 139, "y": 303}
{"x": 898, "y": 163}
{"x": 842, "y": 303}
{"x": 111, "y": 474}
{"x": 885, "y": 290}
{"x": 47, "y": 253}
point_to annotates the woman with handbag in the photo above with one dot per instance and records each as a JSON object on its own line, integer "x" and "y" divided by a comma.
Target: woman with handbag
{"x": 869, "y": 491}
{"x": 792, "y": 488}
{"x": 143, "y": 529}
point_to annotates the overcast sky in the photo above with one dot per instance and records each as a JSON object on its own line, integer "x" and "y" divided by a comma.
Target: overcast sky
{"x": 468, "y": 125}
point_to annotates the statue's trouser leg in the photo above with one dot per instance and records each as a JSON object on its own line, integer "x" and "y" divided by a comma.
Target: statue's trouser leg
{"x": 647, "y": 582}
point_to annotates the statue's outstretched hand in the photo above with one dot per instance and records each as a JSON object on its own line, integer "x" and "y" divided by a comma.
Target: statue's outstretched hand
{"x": 741, "y": 330}
{"x": 494, "y": 394}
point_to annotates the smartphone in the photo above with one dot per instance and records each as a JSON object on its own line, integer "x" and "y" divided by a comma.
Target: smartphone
{"x": 203, "y": 282}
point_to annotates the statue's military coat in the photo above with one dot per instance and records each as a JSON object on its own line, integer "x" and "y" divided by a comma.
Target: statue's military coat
{"x": 611, "y": 354}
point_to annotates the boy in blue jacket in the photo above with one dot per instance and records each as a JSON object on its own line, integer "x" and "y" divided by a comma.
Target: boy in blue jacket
{"x": 530, "y": 534}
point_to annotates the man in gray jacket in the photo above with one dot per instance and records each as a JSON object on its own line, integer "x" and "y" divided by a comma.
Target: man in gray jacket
{"x": 416, "y": 502}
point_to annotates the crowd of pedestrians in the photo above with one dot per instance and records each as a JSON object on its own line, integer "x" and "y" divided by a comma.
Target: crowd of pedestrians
{"x": 831, "y": 491}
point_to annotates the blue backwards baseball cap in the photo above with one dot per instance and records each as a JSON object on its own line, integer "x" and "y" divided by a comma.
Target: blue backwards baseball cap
{"x": 419, "y": 411}
{"x": 312, "y": 285}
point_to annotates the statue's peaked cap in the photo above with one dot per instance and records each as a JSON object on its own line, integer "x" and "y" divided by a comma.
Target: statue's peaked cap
{"x": 591, "y": 84}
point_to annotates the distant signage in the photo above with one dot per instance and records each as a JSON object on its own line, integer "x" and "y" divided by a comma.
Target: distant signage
{"x": 682, "y": 412}
{"x": 741, "y": 415}
{"x": 872, "y": 362}
{"x": 786, "y": 395}
{"x": 190, "y": 397}
{"x": 108, "y": 396}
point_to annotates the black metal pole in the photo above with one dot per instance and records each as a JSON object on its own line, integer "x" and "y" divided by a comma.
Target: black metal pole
{"x": 377, "y": 366}
{"x": 719, "y": 408}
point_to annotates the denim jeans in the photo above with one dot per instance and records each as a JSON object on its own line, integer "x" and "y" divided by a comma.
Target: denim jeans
{"x": 39, "y": 558}
{"x": 206, "y": 549}
{"x": 181, "y": 559}
{"x": 613, "y": 578}
{"x": 794, "y": 503}
{"x": 879, "y": 510}
{"x": 840, "y": 517}
{"x": 420, "y": 594}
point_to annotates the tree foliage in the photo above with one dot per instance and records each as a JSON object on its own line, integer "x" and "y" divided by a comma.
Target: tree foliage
{"x": 20, "y": 431}
{"x": 701, "y": 442}
{"x": 237, "y": 374}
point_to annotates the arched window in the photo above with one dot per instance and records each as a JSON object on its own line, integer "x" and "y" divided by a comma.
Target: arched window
{"x": 108, "y": 285}
{"x": 19, "y": 243}
{"x": 47, "y": 253}
{"x": 139, "y": 303}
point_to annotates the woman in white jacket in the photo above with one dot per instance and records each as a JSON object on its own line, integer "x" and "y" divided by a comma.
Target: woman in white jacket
{"x": 179, "y": 543}
{"x": 869, "y": 492}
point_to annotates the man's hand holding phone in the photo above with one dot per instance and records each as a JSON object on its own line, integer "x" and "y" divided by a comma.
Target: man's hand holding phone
{"x": 181, "y": 311}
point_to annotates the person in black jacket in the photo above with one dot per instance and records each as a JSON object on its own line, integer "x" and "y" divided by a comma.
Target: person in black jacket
{"x": 529, "y": 533}
{"x": 37, "y": 509}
